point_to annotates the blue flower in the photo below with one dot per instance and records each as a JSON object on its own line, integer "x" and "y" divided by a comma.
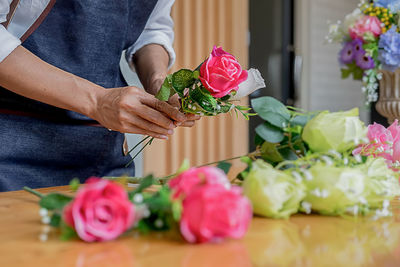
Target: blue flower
{"x": 392, "y": 5}
{"x": 389, "y": 53}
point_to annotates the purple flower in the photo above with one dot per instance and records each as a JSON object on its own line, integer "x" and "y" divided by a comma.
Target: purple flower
{"x": 364, "y": 61}
{"x": 346, "y": 55}
{"x": 357, "y": 46}
{"x": 350, "y": 50}
{"x": 389, "y": 53}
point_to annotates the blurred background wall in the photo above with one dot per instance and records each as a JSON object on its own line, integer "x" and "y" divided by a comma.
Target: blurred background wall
{"x": 284, "y": 39}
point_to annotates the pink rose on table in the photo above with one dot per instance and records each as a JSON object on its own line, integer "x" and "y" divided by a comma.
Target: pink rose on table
{"x": 221, "y": 73}
{"x": 211, "y": 213}
{"x": 101, "y": 211}
{"x": 184, "y": 183}
{"x": 366, "y": 24}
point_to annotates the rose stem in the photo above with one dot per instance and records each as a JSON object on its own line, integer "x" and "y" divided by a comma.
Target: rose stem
{"x": 36, "y": 193}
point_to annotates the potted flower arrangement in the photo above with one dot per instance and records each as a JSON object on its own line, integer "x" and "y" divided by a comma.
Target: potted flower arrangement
{"x": 371, "y": 51}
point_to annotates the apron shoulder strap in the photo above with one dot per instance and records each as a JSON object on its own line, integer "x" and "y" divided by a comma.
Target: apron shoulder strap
{"x": 10, "y": 15}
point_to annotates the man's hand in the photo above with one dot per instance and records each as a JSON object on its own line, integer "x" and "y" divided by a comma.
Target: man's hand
{"x": 131, "y": 110}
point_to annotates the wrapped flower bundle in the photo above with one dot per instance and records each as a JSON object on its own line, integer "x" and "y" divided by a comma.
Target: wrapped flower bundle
{"x": 213, "y": 86}
{"x": 327, "y": 163}
{"x": 371, "y": 42}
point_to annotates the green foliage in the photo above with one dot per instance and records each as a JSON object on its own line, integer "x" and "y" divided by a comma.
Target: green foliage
{"x": 182, "y": 79}
{"x": 279, "y": 136}
{"x": 146, "y": 182}
{"x": 166, "y": 90}
{"x": 270, "y": 133}
{"x": 74, "y": 184}
{"x": 225, "y": 166}
{"x": 67, "y": 232}
{"x": 54, "y": 201}
{"x": 162, "y": 211}
{"x": 352, "y": 69}
{"x": 55, "y": 220}
{"x": 204, "y": 99}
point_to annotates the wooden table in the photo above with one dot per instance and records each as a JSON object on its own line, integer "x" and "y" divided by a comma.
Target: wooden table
{"x": 300, "y": 241}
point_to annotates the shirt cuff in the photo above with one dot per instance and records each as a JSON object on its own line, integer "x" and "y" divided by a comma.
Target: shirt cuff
{"x": 152, "y": 38}
{"x": 8, "y": 43}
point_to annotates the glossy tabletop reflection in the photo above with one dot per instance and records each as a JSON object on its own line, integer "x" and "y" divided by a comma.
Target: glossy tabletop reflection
{"x": 301, "y": 241}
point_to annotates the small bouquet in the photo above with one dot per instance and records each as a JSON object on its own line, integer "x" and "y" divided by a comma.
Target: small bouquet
{"x": 211, "y": 89}
{"x": 201, "y": 202}
{"x": 371, "y": 42}
{"x": 322, "y": 162}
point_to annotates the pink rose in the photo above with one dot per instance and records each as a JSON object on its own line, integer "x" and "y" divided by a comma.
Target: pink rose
{"x": 212, "y": 212}
{"x": 184, "y": 183}
{"x": 221, "y": 73}
{"x": 100, "y": 211}
{"x": 366, "y": 24}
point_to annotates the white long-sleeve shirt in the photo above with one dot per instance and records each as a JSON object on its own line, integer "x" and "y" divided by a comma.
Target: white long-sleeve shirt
{"x": 158, "y": 29}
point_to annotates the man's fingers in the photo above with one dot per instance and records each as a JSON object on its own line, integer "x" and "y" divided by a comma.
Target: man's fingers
{"x": 151, "y": 127}
{"x": 155, "y": 117}
{"x": 192, "y": 117}
{"x": 188, "y": 124}
{"x": 164, "y": 107}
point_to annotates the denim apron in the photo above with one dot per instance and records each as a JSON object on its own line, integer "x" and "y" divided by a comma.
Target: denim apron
{"x": 42, "y": 145}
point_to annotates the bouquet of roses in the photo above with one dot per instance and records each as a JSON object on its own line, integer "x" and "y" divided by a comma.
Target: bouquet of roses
{"x": 322, "y": 162}
{"x": 200, "y": 201}
{"x": 371, "y": 42}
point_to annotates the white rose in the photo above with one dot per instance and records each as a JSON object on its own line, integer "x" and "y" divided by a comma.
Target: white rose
{"x": 254, "y": 82}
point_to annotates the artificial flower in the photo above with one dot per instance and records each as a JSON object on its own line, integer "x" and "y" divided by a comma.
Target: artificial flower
{"x": 383, "y": 142}
{"x": 272, "y": 192}
{"x": 333, "y": 190}
{"x": 365, "y": 25}
{"x": 393, "y": 5}
{"x": 389, "y": 45}
{"x": 352, "y": 18}
{"x": 346, "y": 55}
{"x": 188, "y": 180}
{"x": 254, "y": 82}
{"x": 339, "y": 131}
{"x": 383, "y": 183}
{"x": 364, "y": 61}
{"x": 100, "y": 211}
{"x": 211, "y": 213}
{"x": 221, "y": 73}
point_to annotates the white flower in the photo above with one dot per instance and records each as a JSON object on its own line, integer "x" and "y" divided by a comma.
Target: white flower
{"x": 254, "y": 82}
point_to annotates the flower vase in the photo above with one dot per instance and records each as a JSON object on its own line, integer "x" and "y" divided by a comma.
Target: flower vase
{"x": 388, "y": 104}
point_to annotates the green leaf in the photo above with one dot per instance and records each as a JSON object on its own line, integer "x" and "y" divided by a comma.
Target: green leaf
{"x": 177, "y": 210}
{"x": 301, "y": 120}
{"x": 225, "y": 166}
{"x": 345, "y": 73}
{"x": 74, "y": 184}
{"x": 204, "y": 99}
{"x": 165, "y": 92}
{"x": 67, "y": 232}
{"x": 270, "y": 133}
{"x": 144, "y": 183}
{"x": 55, "y": 220}
{"x": 275, "y": 119}
{"x": 266, "y": 104}
{"x": 269, "y": 152}
{"x": 184, "y": 166}
{"x": 54, "y": 201}
{"x": 182, "y": 79}
{"x": 288, "y": 154}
